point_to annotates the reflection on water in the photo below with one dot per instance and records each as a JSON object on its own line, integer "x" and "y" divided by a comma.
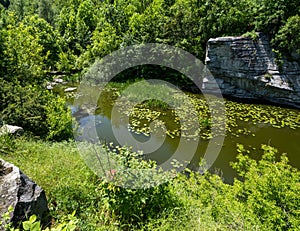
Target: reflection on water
{"x": 285, "y": 139}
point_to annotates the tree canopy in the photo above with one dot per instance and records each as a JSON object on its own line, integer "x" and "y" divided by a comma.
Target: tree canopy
{"x": 71, "y": 34}
{"x": 41, "y": 36}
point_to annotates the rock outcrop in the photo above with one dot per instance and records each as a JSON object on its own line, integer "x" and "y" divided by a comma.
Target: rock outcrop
{"x": 247, "y": 68}
{"x": 21, "y": 193}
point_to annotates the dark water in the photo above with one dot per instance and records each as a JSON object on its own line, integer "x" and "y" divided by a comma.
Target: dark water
{"x": 286, "y": 140}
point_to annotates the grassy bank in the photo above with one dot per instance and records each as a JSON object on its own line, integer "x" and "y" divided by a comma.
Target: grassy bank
{"x": 267, "y": 199}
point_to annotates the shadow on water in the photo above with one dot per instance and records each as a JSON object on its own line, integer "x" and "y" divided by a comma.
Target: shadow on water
{"x": 285, "y": 139}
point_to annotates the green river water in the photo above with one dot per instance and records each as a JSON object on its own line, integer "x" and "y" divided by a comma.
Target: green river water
{"x": 249, "y": 124}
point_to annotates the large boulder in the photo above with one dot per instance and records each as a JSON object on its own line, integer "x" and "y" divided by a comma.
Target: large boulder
{"x": 247, "y": 68}
{"x": 21, "y": 193}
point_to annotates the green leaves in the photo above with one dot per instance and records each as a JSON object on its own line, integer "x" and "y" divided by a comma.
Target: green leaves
{"x": 105, "y": 41}
{"x": 270, "y": 189}
{"x": 266, "y": 197}
{"x": 36, "y": 110}
{"x": 31, "y": 224}
{"x": 288, "y": 37}
{"x": 23, "y": 54}
{"x": 29, "y": 50}
{"x": 68, "y": 35}
{"x": 59, "y": 120}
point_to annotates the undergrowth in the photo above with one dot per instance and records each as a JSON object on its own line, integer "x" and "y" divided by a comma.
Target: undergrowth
{"x": 266, "y": 199}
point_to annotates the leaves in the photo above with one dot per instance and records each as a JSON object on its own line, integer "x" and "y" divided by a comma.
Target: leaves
{"x": 36, "y": 110}
{"x": 288, "y": 37}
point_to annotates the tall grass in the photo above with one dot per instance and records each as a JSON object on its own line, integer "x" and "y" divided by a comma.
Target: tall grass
{"x": 191, "y": 201}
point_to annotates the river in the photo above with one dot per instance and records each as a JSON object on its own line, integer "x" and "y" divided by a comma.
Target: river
{"x": 264, "y": 124}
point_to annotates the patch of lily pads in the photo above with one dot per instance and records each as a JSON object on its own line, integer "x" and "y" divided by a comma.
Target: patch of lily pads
{"x": 147, "y": 118}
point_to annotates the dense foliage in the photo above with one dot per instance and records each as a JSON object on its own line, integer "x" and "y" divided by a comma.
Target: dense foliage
{"x": 42, "y": 37}
{"x": 39, "y": 36}
{"x": 265, "y": 197}
{"x": 36, "y": 110}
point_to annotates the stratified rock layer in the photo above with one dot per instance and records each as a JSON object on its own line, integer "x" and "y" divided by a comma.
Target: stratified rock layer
{"x": 247, "y": 68}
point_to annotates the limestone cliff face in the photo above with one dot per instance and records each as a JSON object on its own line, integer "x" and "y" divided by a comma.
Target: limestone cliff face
{"x": 246, "y": 68}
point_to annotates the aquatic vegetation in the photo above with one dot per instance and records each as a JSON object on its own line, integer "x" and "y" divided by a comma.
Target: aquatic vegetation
{"x": 146, "y": 118}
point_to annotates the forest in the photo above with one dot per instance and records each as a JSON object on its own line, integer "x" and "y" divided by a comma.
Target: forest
{"x": 41, "y": 39}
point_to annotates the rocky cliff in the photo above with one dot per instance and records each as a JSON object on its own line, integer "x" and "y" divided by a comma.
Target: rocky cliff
{"x": 247, "y": 68}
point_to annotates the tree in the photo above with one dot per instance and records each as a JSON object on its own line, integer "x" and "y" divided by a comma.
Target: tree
{"x": 104, "y": 41}
{"x": 38, "y": 111}
{"x": 48, "y": 39}
{"x": 45, "y": 10}
{"x": 148, "y": 26}
{"x": 85, "y": 23}
{"x": 270, "y": 189}
{"x": 287, "y": 40}
{"x": 192, "y": 23}
{"x": 30, "y": 50}
{"x": 272, "y": 14}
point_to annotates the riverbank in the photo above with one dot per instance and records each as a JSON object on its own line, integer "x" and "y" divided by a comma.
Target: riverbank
{"x": 200, "y": 202}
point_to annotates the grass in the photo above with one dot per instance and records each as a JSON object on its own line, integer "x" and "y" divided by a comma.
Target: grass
{"x": 60, "y": 171}
{"x": 198, "y": 202}
{"x": 70, "y": 185}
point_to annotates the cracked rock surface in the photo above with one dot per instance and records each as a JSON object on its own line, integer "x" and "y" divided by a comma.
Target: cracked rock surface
{"x": 247, "y": 68}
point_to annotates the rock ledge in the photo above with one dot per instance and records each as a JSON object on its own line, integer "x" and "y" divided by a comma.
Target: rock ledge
{"x": 247, "y": 68}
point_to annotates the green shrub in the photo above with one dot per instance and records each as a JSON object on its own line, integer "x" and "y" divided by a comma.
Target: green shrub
{"x": 36, "y": 110}
{"x": 270, "y": 189}
{"x": 287, "y": 39}
{"x": 68, "y": 223}
{"x": 7, "y": 143}
{"x": 59, "y": 120}
{"x": 133, "y": 207}
{"x": 266, "y": 196}
{"x": 130, "y": 204}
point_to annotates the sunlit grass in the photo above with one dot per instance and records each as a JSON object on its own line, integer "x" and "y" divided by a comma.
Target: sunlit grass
{"x": 197, "y": 202}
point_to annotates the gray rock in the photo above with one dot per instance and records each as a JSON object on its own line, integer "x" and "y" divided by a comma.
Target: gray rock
{"x": 49, "y": 87}
{"x": 70, "y": 89}
{"x": 55, "y": 82}
{"x": 10, "y": 129}
{"x": 58, "y": 80}
{"x": 247, "y": 68}
{"x": 21, "y": 193}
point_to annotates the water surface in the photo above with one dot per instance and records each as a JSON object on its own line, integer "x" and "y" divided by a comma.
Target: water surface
{"x": 285, "y": 139}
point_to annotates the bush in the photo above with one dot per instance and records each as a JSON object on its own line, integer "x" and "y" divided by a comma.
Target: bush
{"x": 32, "y": 224}
{"x": 36, "y": 110}
{"x": 270, "y": 189}
{"x": 59, "y": 120}
{"x": 265, "y": 197}
{"x": 127, "y": 206}
{"x": 7, "y": 143}
{"x": 287, "y": 40}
